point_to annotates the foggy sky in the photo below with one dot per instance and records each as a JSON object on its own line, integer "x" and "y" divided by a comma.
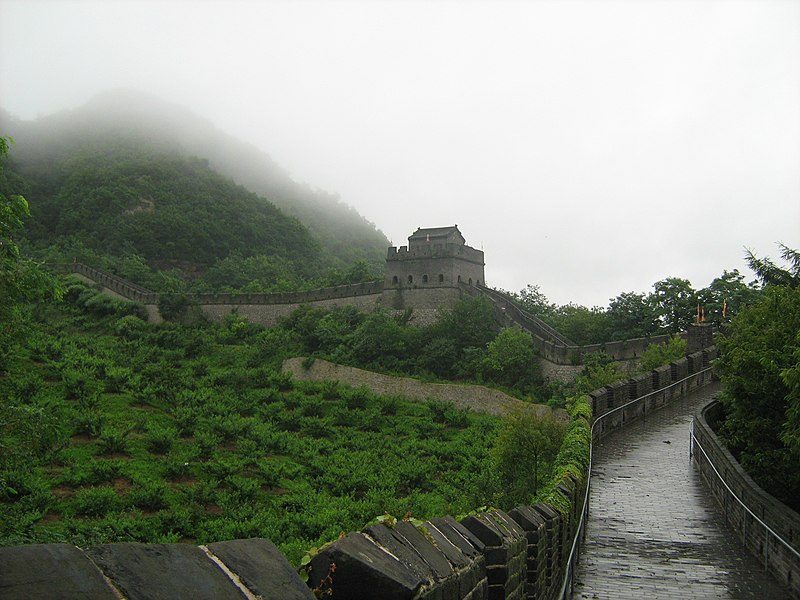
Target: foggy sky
{"x": 591, "y": 147}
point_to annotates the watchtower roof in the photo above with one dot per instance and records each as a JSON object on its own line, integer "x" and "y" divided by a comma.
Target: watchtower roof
{"x": 436, "y": 234}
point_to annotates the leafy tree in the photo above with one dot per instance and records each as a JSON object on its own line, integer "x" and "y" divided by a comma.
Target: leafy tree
{"x": 258, "y": 273}
{"x": 173, "y": 307}
{"x": 532, "y": 300}
{"x": 631, "y": 315}
{"x": 676, "y": 303}
{"x": 359, "y": 271}
{"x": 580, "y": 324}
{"x": 525, "y": 448}
{"x": 599, "y": 369}
{"x": 30, "y": 429}
{"x": 728, "y": 291}
{"x": 510, "y": 358}
{"x": 657, "y": 355}
{"x": 758, "y": 366}
{"x": 470, "y": 325}
{"x": 21, "y": 279}
{"x": 379, "y": 341}
{"x": 791, "y": 429}
{"x": 768, "y": 272}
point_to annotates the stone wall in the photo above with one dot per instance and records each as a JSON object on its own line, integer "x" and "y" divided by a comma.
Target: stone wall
{"x": 121, "y": 287}
{"x": 491, "y": 555}
{"x": 267, "y": 309}
{"x": 474, "y": 397}
{"x": 269, "y": 314}
{"x": 554, "y": 347}
{"x": 716, "y": 465}
{"x": 657, "y": 386}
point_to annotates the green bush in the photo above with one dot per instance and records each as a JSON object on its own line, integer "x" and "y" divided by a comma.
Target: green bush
{"x": 87, "y": 422}
{"x": 177, "y": 465}
{"x": 312, "y": 406}
{"x": 388, "y": 405}
{"x": 524, "y": 450}
{"x": 96, "y": 501}
{"x": 317, "y": 427}
{"x": 173, "y": 307}
{"x": 129, "y": 327}
{"x": 104, "y": 471}
{"x": 657, "y": 355}
{"x": 114, "y": 440}
{"x": 148, "y": 495}
{"x": 159, "y": 440}
{"x": 357, "y": 398}
{"x": 80, "y": 383}
{"x": 25, "y": 387}
{"x": 116, "y": 379}
{"x": 207, "y": 442}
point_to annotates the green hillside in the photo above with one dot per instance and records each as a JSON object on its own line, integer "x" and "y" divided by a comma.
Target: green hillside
{"x": 130, "y": 175}
{"x": 120, "y": 200}
{"x": 114, "y": 429}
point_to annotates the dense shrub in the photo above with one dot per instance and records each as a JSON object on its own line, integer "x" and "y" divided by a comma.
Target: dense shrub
{"x": 96, "y": 501}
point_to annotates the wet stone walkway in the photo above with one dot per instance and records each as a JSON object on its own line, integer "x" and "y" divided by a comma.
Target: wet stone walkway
{"x": 654, "y": 531}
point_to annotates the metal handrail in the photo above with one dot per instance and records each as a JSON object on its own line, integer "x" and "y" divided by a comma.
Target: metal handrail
{"x": 694, "y": 439}
{"x": 545, "y": 327}
{"x": 572, "y": 560}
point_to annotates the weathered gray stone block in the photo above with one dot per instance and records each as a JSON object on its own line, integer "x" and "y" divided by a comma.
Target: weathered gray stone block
{"x": 527, "y": 518}
{"x": 54, "y": 571}
{"x": 432, "y": 555}
{"x": 484, "y": 529}
{"x": 163, "y": 572}
{"x": 510, "y": 527}
{"x": 363, "y": 571}
{"x": 461, "y": 537}
{"x": 262, "y": 569}
{"x": 394, "y": 543}
{"x": 451, "y": 552}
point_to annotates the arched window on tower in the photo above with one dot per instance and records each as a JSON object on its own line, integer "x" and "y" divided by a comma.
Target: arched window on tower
{"x": 410, "y": 279}
{"x": 441, "y": 278}
{"x": 395, "y": 281}
{"x": 424, "y": 279}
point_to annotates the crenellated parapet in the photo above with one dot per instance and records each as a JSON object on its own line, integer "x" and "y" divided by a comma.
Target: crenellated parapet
{"x": 434, "y": 258}
{"x": 431, "y": 251}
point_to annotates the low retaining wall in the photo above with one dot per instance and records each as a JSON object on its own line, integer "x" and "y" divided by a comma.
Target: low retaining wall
{"x": 734, "y": 490}
{"x": 474, "y": 397}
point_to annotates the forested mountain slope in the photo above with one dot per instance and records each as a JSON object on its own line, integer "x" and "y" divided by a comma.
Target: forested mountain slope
{"x": 144, "y": 150}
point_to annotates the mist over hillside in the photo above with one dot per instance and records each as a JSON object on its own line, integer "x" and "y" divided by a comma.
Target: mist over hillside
{"x": 46, "y": 149}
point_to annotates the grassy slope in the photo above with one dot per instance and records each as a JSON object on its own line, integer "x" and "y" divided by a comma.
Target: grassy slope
{"x": 45, "y": 148}
{"x": 178, "y": 434}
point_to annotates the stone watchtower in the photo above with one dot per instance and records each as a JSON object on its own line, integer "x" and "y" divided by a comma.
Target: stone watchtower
{"x": 428, "y": 272}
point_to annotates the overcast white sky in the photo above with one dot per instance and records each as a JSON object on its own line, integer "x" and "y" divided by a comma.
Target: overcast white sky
{"x": 590, "y": 147}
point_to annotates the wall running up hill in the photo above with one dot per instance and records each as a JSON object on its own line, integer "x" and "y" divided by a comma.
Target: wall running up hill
{"x": 267, "y": 309}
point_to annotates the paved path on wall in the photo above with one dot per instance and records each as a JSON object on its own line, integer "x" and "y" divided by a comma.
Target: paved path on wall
{"x": 654, "y": 530}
